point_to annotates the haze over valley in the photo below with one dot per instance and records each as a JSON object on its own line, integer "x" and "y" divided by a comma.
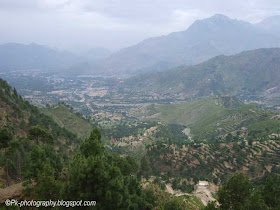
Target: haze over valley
{"x": 184, "y": 119}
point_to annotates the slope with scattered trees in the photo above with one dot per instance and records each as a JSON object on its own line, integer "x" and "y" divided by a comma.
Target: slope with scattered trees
{"x": 215, "y": 118}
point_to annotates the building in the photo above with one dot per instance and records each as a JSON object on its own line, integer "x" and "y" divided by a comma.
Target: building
{"x": 203, "y": 184}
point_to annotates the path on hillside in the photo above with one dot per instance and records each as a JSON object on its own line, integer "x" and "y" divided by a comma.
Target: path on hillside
{"x": 12, "y": 192}
{"x": 203, "y": 193}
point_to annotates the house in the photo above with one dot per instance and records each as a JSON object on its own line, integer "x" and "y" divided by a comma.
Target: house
{"x": 203, "y": 184}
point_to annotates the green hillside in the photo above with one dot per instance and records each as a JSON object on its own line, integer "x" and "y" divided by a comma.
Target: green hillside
{"x": 216, "y": 117}
{"x": 70, "y": 120}
{"x": 27, "y": 135}
{"x": 246, "y": 74}
{"x": 215, "y": 162}
{"x": 35, "y": 162}
{"x": 18, "y": 116}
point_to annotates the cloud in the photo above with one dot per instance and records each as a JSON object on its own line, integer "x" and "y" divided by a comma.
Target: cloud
{"x": 77, "y": 24}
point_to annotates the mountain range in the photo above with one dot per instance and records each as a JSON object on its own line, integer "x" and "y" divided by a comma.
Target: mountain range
{"x": 15, "y": 56}
{"x": 270, "y": 25}
{"x": 33, "y": 56}
{"x": 249, "y": 73}
{"x": 204, "y": 39}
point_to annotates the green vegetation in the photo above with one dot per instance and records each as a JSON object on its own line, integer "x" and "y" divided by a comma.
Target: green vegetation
{"x": 40, "y": 135}
{"x": 43, "y": 153}
{"x": 124, "y": 129}
{"x": 26, "y": 135}
{"x": 239, "y": 193}
{"x": 37, "y": 154}
{"x": 216, "y": 117}
{"x": 163, "y": 200}
{"x": 248, "y": 74}
{"x": 213, "y": 162}
{"x": 195, "y": 201}
{"x": 171, "y": 133}
{"x": 18, "y": 116}
{"x": 65, "y": 117}
{"x": 110, "y": 180}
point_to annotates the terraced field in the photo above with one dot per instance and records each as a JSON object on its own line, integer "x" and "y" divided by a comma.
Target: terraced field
{"x": 215, "y": 162}
{"x": 216, "y": 117}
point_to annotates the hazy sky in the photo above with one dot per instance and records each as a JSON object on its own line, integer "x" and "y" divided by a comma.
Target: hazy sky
{"x": 81, "y": 24}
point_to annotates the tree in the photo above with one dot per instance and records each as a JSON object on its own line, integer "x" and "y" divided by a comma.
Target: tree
{"x": 37, "y": 160}
{"x": 5, "y": 138}
{"x": 40, "y": 134}
{"x": 145, "y": 169}
{"x": 127, "y": 165}
{"x": 13, "y": 154}
{"x": 256, "y": 201}
{"x": 211, "y": 206}
{"x": 229, "y": 137}
{"x": 235, "y": 193}
{"x": 15, "y": 94}
{"x": 176, "y": 183}
{"x": 96, "y": 175}
{"x": 271, "y": 191}
{"x": 174, "y": 204}
{"x": 39, "y": 156}
{"x": 47, "y": 187}
{"x": 54, "y": 157}
{"x": 92, "y": 145}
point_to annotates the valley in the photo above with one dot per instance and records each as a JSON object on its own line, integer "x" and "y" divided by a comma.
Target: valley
{"x": 186, "y": 120}
{"x": 179, "y": 135}
{"x": 101, "y": 97}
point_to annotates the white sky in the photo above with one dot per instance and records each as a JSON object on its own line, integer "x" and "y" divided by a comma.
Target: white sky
{"x": 114, "y": 24}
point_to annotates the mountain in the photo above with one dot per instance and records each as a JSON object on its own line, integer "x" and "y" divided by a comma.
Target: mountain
{"x": 33, "y": 56}
{"x": 213, "y": 118}
{"x": 41, "y": 160}
{"x": 250, "y": 73}
{"x": 18, "y": 115}
{"x": 270, "y": 25}
{"x": 96, "y": 53}
{"x": 203, "y": 40}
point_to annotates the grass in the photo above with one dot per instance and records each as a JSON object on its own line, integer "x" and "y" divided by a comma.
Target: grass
{"x": 209, "y": 117}
{"x": 193, "y": 112}
{"x": 64, "y": 117}
{"x": 195, "y": 201}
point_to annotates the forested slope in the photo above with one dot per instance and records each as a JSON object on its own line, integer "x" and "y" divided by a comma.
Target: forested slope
{"x": 39, "y": 160}
{"x": 250, "y": 74}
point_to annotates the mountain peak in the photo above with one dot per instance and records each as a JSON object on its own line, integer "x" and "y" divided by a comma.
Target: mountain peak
{"x": 270, "y": 25}
{"x": 220, "y": 17}
{"x": 217, "y": 22}
{"x": 217, "y": 18}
